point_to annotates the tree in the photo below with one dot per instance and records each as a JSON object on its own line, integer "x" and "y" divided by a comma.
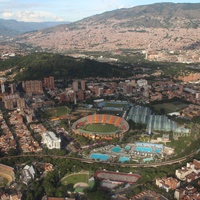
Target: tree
{"x": 162, "y": 111}
{"x": 12, "y": 152}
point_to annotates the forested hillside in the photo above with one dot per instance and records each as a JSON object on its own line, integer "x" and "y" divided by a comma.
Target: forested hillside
{"x": 40, "y": 65}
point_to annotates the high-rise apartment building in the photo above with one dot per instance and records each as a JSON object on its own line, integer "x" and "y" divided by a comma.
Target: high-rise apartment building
{"x": 21, "y": 103}
{"x": 33, "y": 86}
{"x": 49, "y": 83}
{"x": 83, "y": 85}
{"x": 3, "y": 88}
{"x": 81, "y": 95}
{"x": 11, "y": 88}
{"x": 9, "y": 104}
{"x": 75, "y": 85}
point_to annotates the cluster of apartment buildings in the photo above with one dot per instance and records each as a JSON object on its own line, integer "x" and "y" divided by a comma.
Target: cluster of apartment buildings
{"x": 187, "y": 174}
{"x": 36, "y": 86}
{"x": 137, "y": 89}
{"x": 189, "y": 56}
{"x": 12, "y": 101}
{"x": 191, "y": 111}
{"x": 7, "y": 140}
{"x": 190, "y": 172}
{"x": 26, "y": 175}
{"x": 26, "y": 141}
{"x": 49, "y": 138}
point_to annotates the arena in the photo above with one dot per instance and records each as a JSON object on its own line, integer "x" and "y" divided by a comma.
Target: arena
{"x": 101, "y": 126}
{"x": 7, "y": 172}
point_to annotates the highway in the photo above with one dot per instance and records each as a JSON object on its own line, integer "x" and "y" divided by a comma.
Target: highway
{"x": 170, "y": 162}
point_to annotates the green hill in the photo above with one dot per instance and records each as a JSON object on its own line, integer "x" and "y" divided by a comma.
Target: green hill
{"x": 40, "y": 65}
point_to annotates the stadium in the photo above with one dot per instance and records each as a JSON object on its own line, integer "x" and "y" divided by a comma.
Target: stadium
{"x": 101, "y": 126}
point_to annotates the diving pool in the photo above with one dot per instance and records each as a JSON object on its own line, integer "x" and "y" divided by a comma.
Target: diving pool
{"x": 116, "y": 149}
{"x": 127, "y": 148}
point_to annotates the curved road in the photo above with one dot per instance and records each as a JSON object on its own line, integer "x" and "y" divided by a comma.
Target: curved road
{"x": 111, "y": 164}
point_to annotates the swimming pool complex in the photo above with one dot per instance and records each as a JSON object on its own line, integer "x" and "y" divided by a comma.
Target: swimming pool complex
{"x": 102, "y": 157}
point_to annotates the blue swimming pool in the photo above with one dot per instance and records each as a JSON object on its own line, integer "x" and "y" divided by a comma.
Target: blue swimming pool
{"x": 147, "y": 159}
{"x": 116, "y": 149}
{"x": 127, "y": 148}
{"x": 123, "y": 159}
{"x": 157, "y": 151}
{"x": 102, "y": 157}
{"x": 144, "y": 149}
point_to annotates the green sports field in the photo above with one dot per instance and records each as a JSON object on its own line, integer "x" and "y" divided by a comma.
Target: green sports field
{"x": 100, "y": 128}
{"x": 76, "y": 178}
{"x": 115, "y": 105}
{"x": 57, "y": 111}
{"x": 170, "y": 107}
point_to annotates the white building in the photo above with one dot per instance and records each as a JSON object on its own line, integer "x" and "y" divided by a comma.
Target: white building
{"x": 28, "y": 173}
{"x": 50, "y": 140}
{"x": 192, "y": 167}
{"x": 142, "y": 82}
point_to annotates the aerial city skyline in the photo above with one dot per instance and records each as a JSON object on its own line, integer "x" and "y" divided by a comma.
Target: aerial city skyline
{"x": 39, "y": 11}
{"x": 100, "y": 101}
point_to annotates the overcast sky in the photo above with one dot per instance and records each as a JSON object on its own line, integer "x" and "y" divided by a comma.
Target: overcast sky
{"x": 66, "y": 10}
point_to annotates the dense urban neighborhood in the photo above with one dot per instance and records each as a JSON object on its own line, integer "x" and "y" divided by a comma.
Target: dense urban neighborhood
{"x": 107, "y": 107}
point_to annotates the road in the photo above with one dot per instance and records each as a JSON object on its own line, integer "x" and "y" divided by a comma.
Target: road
{"x": 111, "y": 164}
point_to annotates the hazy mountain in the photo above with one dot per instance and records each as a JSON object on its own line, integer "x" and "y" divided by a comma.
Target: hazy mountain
{"x": 156, "y": 26}
{"x": 13, "y": 28}
{"x": 159, "y": 15}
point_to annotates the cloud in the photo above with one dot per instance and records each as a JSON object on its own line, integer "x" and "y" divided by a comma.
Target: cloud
{"x": 7, "y": 14}
{"x": 30, "y": 16}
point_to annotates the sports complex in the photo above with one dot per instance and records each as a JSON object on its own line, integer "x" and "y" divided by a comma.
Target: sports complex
{"x": 101, "y": 126}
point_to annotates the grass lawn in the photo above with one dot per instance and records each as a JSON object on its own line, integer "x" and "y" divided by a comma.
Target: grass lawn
{"x": 115, "y": 105}
{"x": 63, "y": 124}
{"x": 75, "y": 178}
{"x": 57, "y": 111}
{"x": 3, "y": 181}
{"x": 170, "y": 107}
{"x": 104, "y": 128}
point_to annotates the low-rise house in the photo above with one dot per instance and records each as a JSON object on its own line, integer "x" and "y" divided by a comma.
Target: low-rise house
{"x": 190, "y": 172}
{"x": 168, "y": 183}
{"x": 188, "y": 193}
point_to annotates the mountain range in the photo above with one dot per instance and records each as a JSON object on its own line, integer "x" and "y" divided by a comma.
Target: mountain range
{"x": 12, "y": 28}
{"x": 160, "y": 26}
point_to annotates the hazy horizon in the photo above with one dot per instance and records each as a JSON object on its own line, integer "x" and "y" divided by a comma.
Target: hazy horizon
{"x": 63, "y": 10}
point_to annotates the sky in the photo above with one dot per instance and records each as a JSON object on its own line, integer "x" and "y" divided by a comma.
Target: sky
{"x": 66, "y": 10}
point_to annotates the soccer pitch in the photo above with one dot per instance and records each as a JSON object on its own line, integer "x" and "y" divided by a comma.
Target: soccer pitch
{"x": 115, "y": 105}
{"x": 170, "y": 107}
{"x": 100, "y": 128}
{"x": 57, "y": 111}
{"x": 76, "y": 178}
